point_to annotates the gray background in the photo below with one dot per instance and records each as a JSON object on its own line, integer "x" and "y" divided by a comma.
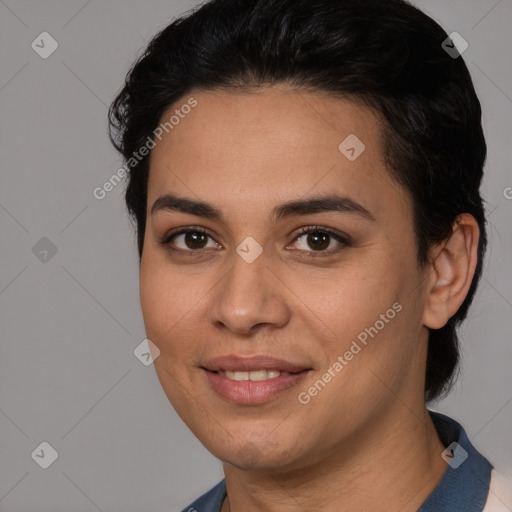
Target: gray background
{"x": 69, "y": 325}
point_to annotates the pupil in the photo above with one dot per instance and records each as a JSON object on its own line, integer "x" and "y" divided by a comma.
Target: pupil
{"x": 316, "y": 237}
{"x": 196, "y": 237}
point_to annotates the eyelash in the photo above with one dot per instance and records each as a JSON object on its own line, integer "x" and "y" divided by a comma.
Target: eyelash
{"x": 343, "y": 240}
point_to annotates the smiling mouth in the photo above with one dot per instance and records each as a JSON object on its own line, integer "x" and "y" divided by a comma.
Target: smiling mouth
{"x": 244, "y": 387}
{"x": 255, "y": 375}
{"x": 254, "y": 379}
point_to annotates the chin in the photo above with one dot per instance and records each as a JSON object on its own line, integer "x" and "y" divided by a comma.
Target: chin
{"x": 251, "y": 455}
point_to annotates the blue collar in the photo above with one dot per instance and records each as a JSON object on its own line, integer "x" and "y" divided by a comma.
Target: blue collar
{"x": 463, "y": 486}
{"x": 465, "y": 483}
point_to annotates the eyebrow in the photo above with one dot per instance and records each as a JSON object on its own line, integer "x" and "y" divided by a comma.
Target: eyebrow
{"x": 316, "y": 204}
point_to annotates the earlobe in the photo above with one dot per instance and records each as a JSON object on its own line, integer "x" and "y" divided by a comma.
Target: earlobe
{"x": 452, "y": 269}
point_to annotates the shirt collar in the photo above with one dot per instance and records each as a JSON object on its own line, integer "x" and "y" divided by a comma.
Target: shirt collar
{"x": 465, "y": 483}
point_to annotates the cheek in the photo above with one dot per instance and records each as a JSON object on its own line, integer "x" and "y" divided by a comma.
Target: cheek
{"x": 174, "y": 307}
{"x": 165, "y": 309}
{"x": 350, "y": 298}
{"x": 368, "y": 375}
{"x": 364, "y": 317}
{"x": 163, "y": 299}
{"x": 154, "y": 301}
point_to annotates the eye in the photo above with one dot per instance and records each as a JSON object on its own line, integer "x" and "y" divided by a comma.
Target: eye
{"x": 188, "y": 240}
{"x": 193, "y": 239}
{"x": 319, "y": 238}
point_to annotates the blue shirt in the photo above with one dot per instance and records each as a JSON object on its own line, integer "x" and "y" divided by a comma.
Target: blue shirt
{"x": 464, "y": 485}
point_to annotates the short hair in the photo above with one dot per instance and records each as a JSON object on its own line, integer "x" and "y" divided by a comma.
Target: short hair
{"x": 388, "y": 55}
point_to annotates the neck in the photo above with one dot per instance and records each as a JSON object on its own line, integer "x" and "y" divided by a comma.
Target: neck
{"x": 394, "y": 464}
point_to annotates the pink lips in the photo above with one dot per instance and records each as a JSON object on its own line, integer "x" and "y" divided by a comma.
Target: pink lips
{"x": 252, "y": 392}
{"x": 249, "y": 363}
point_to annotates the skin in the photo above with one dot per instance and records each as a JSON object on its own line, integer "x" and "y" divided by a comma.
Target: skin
{"x": 365, "y": 442}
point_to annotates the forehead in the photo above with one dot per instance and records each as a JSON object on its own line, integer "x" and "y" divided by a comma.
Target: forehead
{"x": 268, "y": 146}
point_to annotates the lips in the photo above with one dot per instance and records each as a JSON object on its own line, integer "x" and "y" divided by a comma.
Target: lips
{"x": 252, "y": 380}
{"x": 234, "y": 363}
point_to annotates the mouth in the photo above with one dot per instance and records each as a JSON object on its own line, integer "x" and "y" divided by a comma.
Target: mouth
{"x": 256, "y": 364}
{"x": 252, "y": 380}
{"x": 255, "y": 375}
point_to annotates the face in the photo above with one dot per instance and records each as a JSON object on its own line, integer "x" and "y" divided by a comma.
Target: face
{"x": 274, "y": 278}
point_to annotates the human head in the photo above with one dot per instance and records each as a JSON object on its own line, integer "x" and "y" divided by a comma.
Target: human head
{"x": 387, "y": 55}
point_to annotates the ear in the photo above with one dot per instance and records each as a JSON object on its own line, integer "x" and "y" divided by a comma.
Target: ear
{"x": 451, "y": 270}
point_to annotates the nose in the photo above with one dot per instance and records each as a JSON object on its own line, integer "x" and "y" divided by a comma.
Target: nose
{"x": 249, "y": 296}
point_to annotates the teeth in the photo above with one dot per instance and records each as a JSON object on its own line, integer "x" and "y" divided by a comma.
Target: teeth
{"x": 254, "y": 375}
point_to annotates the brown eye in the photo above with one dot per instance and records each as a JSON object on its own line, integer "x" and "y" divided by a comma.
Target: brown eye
{"x": 318, "y": 239}
{"x": 194, "y": 239}
{"x": 188, "y": 240}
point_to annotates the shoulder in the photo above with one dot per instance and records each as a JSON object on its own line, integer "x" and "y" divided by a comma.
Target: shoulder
{"x": 210, "y": 501}
{"x": 499, "y": 498}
